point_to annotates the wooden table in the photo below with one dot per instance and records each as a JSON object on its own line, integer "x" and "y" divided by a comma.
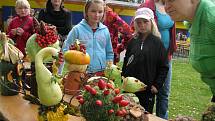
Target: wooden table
{"x": 15, "y": 108}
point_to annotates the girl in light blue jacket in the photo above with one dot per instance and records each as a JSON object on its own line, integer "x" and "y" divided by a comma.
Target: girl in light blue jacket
{"x": 94, "y": 35}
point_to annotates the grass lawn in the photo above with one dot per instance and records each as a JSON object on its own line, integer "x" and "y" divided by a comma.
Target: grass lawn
{"x": 189, "y": 95}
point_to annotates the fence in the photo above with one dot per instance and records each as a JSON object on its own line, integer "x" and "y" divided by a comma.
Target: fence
{"x": 183, "y": 48}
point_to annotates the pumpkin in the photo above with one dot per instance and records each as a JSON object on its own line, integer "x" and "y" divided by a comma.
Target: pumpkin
{"x": 76, "y": 57}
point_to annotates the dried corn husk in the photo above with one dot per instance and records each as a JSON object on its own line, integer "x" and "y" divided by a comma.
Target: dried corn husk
{"x": 9, "y": 52}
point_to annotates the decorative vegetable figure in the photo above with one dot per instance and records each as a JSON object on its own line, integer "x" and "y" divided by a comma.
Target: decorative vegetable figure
{"x": 76, "y": 62}
{"x": 77, "y": 58}
{"x": 9, "y": 57}
{"x": 114, "y": 73}
{"x": 131, "y": 84}
{"x": 45, "y": 36}
{"x": 49, "y": 92}
{"x": 8, "y": 52}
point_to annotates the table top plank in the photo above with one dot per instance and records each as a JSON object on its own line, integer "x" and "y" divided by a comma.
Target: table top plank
{"x": 15, "y": 108}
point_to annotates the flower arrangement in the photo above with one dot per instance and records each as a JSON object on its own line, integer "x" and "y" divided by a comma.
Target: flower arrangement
{"x": 100, "y": 101}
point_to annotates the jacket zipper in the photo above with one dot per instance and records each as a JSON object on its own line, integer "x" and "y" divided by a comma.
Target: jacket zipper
{"x": 141, "y": 47}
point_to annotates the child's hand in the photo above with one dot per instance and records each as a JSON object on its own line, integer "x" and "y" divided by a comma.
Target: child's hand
{"x": 109, "y": 63}
{"x": 154, "y": 89}
{"x": 13, "y": 31}
{"x": 20, "y": 31}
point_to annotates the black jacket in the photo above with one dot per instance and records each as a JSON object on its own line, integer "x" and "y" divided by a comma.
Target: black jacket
{"x": 149, "y": 65}
{"x": 61, "y": 19}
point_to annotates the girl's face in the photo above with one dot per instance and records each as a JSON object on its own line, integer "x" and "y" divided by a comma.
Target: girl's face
{"x": 144, "y": 26}
{"x": 95, "y": 13}
{"x": 22, "y": 11}
{"x": 56, "y": 3}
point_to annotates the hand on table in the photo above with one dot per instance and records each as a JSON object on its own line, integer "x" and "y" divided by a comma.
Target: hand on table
{"x": 154, "y": 89}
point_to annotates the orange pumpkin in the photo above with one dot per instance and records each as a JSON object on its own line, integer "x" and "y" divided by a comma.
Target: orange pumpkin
{"x": 76, "y": 57}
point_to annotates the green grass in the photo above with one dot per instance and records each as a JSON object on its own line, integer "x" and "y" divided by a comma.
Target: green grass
{"x": 189, "y": 95}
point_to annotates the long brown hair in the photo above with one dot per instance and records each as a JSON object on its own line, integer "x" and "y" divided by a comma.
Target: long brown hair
{"x": 49, "y": 6}
{"x": 87, "y": 5}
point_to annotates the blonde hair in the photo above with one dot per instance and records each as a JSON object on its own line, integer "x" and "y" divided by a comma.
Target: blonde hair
{"x": 22, "y": 3}
{"x": 90, "y": 2}
{"x": 154, "y": 29}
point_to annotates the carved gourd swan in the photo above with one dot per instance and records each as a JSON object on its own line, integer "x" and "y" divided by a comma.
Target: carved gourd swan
{"x": 49, "y": 92}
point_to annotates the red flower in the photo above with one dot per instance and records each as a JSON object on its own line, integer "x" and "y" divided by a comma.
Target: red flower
{"x": 93, "y": 91}
{"x": 106, "y": 92}
{"x": 117, "y": 99}
{"x": 120, "y": 29}
{"x": 99, "y": 102}
{"x": 123, "y": 103}
{"x": 101, "y": 84}
{"x": 87, "y": 87}
{"x": 117, "y": 91}
{"x": 110, "y": 86}
{"x": 81, "y": 101}
{"x": 111, "y": 111}
{"x": 79, "y": 97}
